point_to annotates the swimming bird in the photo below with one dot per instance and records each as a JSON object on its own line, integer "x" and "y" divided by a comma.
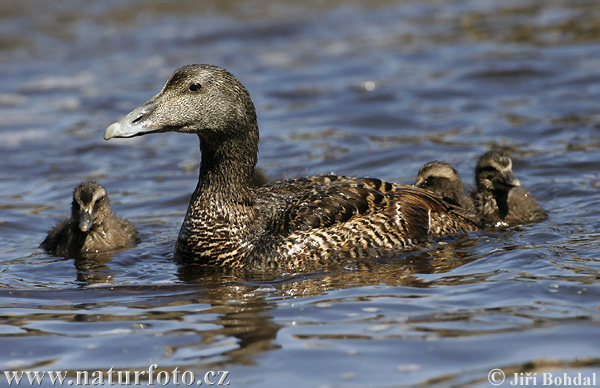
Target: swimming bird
{"x": 499, "y": 196}
{"x": 92, "y": 227}
{"x": 295, "y": 224}
{"x": 443, "y": 179}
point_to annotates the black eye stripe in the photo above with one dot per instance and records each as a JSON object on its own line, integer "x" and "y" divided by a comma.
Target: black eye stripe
{"x": 195, "y": 87}
{"x": 99, "y": 201}
{"x": 489, "y": 169}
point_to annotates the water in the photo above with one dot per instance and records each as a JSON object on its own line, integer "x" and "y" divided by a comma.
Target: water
{"x": 346, "y": 87}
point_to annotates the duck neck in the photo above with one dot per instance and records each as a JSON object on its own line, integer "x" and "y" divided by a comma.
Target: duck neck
{"x": 227, "y": 170}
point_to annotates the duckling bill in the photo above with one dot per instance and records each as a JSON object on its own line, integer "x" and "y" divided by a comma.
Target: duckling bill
{"x": 92, "y": 227}
{"x": 292, "y": 224}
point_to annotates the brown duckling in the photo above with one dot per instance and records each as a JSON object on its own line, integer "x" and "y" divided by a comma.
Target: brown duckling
{"x": 498, "y": 195}
{"x": 443, "y": 179}
{"x": 92, "y": 227}
{"x": 296, "y": 224}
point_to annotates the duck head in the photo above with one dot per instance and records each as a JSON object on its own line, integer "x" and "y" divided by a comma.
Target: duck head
{"x": 441, "y": 178}
{"x": 202, "y": 99}
{"x": 494, "y": 172}
{"x": 438, "y": 174}
{"x": 90, "y": 205}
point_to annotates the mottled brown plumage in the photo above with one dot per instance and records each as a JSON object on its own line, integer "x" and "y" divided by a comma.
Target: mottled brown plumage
{"x": 443, "y": 179}
{"x": 498, "y": 195}
{"x": 92, "y": 227}
{"x": 295, "y": 224}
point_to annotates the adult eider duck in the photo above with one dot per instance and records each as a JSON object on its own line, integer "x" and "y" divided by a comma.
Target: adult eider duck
{"x": 292, "y": 224}
{"x": 499, "y": 196}
{"x": 92, "y": 227}
{"x": 443, "y": 179}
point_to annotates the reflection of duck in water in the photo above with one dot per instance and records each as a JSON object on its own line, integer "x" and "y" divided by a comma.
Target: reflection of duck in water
{"x": 92, "y": 227}
{"x": 288, "y": 224}
{"x": 244, "y": 304}
{"x": 443, "y": 179}
{"x": 498, "y": 195}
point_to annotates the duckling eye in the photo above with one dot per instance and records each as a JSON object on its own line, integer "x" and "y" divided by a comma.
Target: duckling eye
{"x": 98, "y": 203}
{"x": 489, "y": 169}
{"x": 195, "y": 87}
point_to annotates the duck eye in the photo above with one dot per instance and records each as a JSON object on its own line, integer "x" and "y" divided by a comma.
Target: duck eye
{"x": 98, "y": 203}
{"x": 195, "y": 87}
{"x": 489, "y": 169}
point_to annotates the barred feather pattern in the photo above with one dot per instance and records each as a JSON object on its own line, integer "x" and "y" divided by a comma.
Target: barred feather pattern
{"x": 312, "y": 221}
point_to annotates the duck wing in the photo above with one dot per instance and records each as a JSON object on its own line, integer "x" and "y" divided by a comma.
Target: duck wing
{"x": 325, "y": 205}
{"x": 325, "y": 202}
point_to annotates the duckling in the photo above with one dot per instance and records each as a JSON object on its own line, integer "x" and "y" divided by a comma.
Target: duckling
{"x": 499, "y": 196}
{"x": 92, "y": 227}
{"x": 293, "y": 225}
{"x": 443, "y": 179}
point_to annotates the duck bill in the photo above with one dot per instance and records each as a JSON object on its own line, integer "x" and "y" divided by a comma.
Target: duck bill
{"x": 511, "y": 180}
{"x": 85, "y": 221}
{"x": 136, "y": 123}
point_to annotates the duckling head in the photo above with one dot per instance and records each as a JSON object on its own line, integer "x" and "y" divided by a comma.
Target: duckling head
{"x": 437, "y": 174}
{"x": 90, "y": 205}
{"x": 494, "y": 172}
{"x": 441, "y": 178}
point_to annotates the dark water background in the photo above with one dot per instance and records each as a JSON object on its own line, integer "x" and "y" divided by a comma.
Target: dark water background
{"x": 359, "y": 88}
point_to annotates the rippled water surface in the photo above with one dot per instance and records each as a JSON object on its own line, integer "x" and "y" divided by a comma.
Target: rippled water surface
{"x": 364, "y": 89}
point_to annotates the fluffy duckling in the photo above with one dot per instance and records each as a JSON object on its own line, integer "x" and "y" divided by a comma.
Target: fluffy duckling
{"x": 443, "y": 179}
{"x": 92, "y": 227}
{"x": 498, "y": 195}
{"x": 294, "y": 225}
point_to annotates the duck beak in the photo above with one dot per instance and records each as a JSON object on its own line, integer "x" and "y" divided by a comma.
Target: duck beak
{"x": 130, "y": 125}
{"x": 136, "y": 123}
{"x": 510, "y": 180}
{"x": 85, "y": 222}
